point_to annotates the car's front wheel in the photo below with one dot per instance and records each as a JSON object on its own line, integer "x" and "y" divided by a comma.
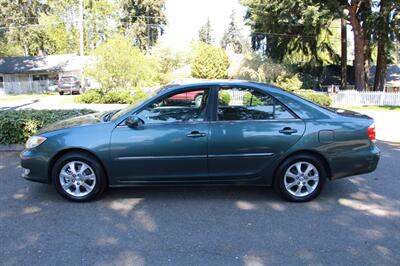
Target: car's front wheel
{"x": 300, "y": 178}
{"x": 78, "y": 176}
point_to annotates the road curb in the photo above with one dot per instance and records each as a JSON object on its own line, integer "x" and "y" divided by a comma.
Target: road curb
{"x": 11, "y": 147}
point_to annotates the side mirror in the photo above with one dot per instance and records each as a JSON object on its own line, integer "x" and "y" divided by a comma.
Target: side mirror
{"x": 134, "y": 121}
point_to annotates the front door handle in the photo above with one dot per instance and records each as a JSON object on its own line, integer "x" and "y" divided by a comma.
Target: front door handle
{"x": 287, "y": 130}
{"x": 196, "y": 134}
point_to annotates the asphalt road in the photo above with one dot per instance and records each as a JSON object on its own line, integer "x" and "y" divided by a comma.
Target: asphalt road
{"x": 356, "y": 221}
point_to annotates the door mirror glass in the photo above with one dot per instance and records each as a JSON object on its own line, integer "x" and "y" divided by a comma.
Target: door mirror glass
{"x": 133, "y": 121}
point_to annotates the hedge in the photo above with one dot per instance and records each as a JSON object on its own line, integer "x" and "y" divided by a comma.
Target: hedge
{"x": 113, "y": 96}
{"x": 318, "y": 98}
{"x": 16, "y": 126}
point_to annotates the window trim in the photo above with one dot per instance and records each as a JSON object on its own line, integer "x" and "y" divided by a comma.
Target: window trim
{"x": 158, "y": 97}
{"x": 295, "y": 116}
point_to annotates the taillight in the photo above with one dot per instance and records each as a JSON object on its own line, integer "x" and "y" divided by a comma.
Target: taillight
{"x": 371, "y": 132}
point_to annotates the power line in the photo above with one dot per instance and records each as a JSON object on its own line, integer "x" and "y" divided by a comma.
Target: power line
{"x": 126, "y": 16}
{"x": 290, "y": 35}
{"x": 38, "y": 25}
{"x": 57, "y": 23}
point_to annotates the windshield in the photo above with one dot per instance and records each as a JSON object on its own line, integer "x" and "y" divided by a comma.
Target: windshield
{"x": 125, "y": 110}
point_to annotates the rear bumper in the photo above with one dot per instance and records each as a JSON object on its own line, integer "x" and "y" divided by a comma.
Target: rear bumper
{"x": 68, "y": 89}
{"x": 35, "y": 167}
{"x": 355, "y": 162}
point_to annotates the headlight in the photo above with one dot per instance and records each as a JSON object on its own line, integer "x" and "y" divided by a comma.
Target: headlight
{"x": 34, "y": 142}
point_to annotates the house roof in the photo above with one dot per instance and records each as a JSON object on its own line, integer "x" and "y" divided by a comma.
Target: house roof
{"x": 35, "y": 64}
{"x": 392, "y": 75}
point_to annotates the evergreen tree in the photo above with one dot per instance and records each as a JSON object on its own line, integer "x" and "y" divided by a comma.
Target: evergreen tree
{"x": 143, "y": 21}
{"x": 283, "y": 28}
{"x": 20, "y": 20}
{"x": 387, "y": 31}
{"x": 232, "y": 36}
{"x": 205, "y": 33}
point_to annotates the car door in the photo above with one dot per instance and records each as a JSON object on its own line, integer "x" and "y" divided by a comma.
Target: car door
{"x": 250, "y": 130}
{"x": 170, "y": 145}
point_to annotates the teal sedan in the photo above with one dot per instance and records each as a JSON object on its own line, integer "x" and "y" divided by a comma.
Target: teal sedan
{"x": 234, "y": 132}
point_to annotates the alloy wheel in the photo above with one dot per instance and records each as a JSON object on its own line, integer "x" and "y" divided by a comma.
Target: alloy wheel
{"x": 301, "y": 179}
{"x": 77, "y": 179}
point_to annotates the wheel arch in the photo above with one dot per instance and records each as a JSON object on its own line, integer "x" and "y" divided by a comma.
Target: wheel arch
{"x": 313, "y": 153}
{"x": 58, "y": 155}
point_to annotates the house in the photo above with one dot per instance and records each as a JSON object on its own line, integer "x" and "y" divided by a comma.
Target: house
{"x": 26, "y": 74}
{"x": 392, "y": 78}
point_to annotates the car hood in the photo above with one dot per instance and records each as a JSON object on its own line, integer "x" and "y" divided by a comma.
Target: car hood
{"x": 74, "y": 122}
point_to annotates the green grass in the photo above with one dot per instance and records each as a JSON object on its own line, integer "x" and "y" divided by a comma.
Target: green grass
{"x": 372, "y": 108}
{"x": 23, "y": 97}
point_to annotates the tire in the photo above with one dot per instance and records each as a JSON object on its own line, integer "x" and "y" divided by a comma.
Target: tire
{"x": 300, "y": 186}
{"x": 61, "y": 93}
{"x": 91, "y": 182}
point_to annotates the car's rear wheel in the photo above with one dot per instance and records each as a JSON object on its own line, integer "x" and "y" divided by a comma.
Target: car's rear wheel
{"x": 300, "y": 178}
{"x": 61, "y": 93}
{"x": 78, "y": 176}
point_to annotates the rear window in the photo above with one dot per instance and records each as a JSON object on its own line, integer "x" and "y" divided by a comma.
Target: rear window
{"x": 68, "y": 79}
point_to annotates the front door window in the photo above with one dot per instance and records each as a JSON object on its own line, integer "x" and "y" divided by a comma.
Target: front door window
{"x": 188, "y": 106}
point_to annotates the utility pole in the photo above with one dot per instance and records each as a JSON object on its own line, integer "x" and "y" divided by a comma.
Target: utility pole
{"x": 81, "y": 27}
{"x": 81, "y": 41}
{"x": 343, "y": 64}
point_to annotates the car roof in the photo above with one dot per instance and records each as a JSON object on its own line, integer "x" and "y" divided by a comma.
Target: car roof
{"x": 219, "y": 82}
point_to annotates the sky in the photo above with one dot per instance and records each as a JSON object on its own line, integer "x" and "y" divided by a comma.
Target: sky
{"x": 185, "y": 17}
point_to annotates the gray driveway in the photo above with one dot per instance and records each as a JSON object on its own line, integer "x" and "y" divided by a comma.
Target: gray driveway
{"x": 356, "y": 221}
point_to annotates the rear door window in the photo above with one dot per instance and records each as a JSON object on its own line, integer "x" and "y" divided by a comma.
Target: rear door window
{"x": 249, "y": 104}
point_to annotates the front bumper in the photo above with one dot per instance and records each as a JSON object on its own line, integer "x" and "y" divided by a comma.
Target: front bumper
{"x": 35, "y": 166}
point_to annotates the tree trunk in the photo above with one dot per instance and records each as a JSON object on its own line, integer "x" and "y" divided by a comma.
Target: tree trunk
{"x": 343, "y": 59}
{"x": 383, "y": 39}
{"x": 367, "y": 34}
{"x": 359, "y": 41}
{"x": 381, "y": 64}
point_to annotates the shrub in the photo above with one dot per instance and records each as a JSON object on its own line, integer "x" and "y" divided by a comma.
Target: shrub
{"x": 210, "y": 62}
{"x": 224, "y": 98}
{"x": 318, "y": 98}
{"x": 92, "y": 96}
{"x": 114, "y": 96}
{"x": 259, "y": 68}
{"x": 250, "y": 99}
{"x": 289, "y": 82}
{"x": 18, "y": 125}
{"x": 117, "y": 63}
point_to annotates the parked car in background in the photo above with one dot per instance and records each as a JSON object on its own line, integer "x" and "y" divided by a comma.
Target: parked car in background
{"x": 241, "y": 133}
{"x": 69, "y": 84}
{"x": 187, "y": 97}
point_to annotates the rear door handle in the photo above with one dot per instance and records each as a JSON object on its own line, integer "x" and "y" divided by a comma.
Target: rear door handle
{"x": 287, "y": 130}
{"x": 196, "y": 134}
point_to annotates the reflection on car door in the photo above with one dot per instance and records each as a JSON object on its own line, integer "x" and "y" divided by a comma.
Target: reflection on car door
{"x": 171, "y": 146}
{"x": 162, "y": 152}
{"x": 246, "y": 137}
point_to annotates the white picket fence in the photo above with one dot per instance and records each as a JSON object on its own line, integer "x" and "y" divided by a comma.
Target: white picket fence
{"x": 37, "y": 86}
{"x": 357, "y": 98}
